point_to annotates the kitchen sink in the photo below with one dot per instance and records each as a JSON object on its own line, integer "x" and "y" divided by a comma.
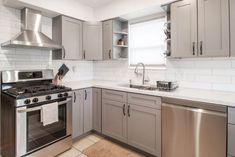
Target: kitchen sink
{"x": 141, "y": 87}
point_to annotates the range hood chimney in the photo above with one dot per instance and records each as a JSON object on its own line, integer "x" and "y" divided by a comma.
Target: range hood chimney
{"x": 31, "y": 35}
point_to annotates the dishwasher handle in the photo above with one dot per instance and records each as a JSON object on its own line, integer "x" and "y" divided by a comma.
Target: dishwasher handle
{"x": 192, "y": 109}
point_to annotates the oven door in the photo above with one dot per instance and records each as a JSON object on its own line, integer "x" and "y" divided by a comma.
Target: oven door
{"x": 31, "y": 135}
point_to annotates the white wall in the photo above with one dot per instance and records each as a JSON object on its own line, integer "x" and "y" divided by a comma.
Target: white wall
{"x": 65, "y": 7}
{"x": 207, "y": 73}
{"x": 12, "y": 59}
{"x": 123, "y": 7}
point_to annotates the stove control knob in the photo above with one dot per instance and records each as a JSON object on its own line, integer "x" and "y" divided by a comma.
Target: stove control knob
{"x": 35, "y": 100}
{"x": 48, "y": 97}
{"x": 60, "y": 95}
{"x": 66, "y": 94}
{"x": 27, "y": 101}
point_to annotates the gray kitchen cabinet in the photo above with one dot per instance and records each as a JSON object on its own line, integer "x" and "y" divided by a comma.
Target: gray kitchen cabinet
{"x": 107, "y": 39}
{"x": 77, "y": 120}
{"x": 213, "y": 28}
{"x": 231, "y": 131}
{"x": 184, "y": 28}
{"x": 232, "y": 27}
{"x": 144, "y": 129}
{"x": 231, "y": 140}
{"x": 114, "y": 120}
{"x": 92, "y": 41}
{"x": 96, "y": 108}
{"x": 67, "y": 32}
{"x": 87, "y": 110}
{"x": 82, "y": 112}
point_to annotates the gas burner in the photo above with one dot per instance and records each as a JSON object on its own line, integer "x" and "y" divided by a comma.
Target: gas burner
{"x": 22, "y": 92}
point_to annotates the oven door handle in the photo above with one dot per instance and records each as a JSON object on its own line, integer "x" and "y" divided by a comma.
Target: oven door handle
{"x": 40, "y": 107}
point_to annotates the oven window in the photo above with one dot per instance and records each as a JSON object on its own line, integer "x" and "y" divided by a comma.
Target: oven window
{"x": 39, "y": 135}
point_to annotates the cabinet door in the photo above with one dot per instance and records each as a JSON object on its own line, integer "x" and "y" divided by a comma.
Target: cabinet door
{"x": 96, "y": 107}
{"x": 87, "y": 110}
{"x": 144, "y": 129}
{"x": 184, "y": 29}
{"x": 114, "y": 120}
{"x": 92, "y": 41}
{"x": 77, "y": 113}
{"x": 72, "y": 38}
{"x": 232, "y": 26}
{"x": 213, "y": 28}
{"x": 231, "y": 140}
{"x": 107, "y": 39}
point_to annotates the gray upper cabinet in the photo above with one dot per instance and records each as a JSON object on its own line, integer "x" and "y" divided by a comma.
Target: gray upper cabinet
{"x": 87, "y": 119}
{"x": 78, "y": 102}
{"x": 114, "y": 120}
{"x": 96, "y": 107}
{"x": 144, "y": 129}
{"x": 67, "y": 32}
{"x": 107, "y": 39}
{"x": 92, "y": 41}
{"x": 213, "y": 28}
{"x": 232, "y": 26}
{"x": 184, "y": 28}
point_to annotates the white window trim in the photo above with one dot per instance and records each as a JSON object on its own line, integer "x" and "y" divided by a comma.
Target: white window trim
{"x": 140, "y": 20}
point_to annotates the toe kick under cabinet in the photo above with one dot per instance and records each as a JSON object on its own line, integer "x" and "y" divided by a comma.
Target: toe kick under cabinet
{"x": 231, "y": 132}
{"x": 134, "y": 119}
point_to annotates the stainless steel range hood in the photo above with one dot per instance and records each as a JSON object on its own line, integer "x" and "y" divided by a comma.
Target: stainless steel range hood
{"x": 31, "y": 35}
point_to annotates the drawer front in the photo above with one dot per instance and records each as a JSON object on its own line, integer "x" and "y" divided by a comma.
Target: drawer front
{"x": 231, "y": 140}
{"x": 231, "y": 115}
{"x": 145, "y": 100}
{"x": 114, "y": 95}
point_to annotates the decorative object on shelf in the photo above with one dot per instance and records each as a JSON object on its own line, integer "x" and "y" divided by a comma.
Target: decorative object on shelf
{"x": 121, "y": 42}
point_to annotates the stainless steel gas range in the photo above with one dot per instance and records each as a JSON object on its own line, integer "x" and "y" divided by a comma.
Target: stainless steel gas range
{"x": 24, "y": 94}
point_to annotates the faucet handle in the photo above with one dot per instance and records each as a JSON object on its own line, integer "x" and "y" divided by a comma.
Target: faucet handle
{"x": 147, "y": 79}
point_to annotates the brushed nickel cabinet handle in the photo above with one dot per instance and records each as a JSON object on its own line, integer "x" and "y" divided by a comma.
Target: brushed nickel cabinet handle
{"x": 128, "y": 111}
{"x": 109, "y": 54}
{"x": 85, "y": 94}
{"x": 64, "y": 52}
{"x": 84, "y": 54}
{"x": 194, "y": 48}
{"x": 201, "y": 48}
{"x": 75, "y": 97}
{"x": 124, "y": 109}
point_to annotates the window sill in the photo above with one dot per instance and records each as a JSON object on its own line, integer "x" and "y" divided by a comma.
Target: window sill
{"x": 150, "y": 67}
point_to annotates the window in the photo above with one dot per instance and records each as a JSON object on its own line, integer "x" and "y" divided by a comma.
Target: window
{"x": 147, "y": 42}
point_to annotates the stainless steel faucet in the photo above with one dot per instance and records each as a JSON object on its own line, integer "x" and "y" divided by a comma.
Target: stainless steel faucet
{"x": 143, "y": 73}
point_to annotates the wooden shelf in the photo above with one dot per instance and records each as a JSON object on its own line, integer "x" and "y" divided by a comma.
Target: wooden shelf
{"x": 122, "y": 33}
{"x": 125, "y": 46}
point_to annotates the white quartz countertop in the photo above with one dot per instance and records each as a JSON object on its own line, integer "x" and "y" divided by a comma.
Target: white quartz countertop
{"x": 207, "y": 96}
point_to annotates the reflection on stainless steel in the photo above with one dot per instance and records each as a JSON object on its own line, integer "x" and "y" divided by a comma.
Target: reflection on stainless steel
{"x": 193, "y": 132}
{"x": 13, "y": 75}
{"x": 31, "y": 35}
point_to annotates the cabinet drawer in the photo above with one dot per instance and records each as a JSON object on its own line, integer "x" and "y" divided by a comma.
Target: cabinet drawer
{"x": 114, "y": 95}
{"x": 145, "y": 100}
{"x": 231, "y": 115}
{"x": 231, "y": 140}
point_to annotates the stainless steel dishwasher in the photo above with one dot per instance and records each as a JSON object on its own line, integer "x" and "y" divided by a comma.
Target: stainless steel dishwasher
{"x": 192, "y": 129}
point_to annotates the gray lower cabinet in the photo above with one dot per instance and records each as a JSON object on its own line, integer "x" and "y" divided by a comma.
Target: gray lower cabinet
{"x": 82, "y": 112}
{"x": 144, "y": 129}
{"x": 232, "y": 27}
{"x": 67, "y": 32}
{"x": 133, "y": 118}
{"x": 77, "y": 120}
{"x": 231, "y": 132}
{"x": 92, "y": 41}
{"x": 87, "y": 117}
{"x": 96, "y": 108}
{"x": 114, "y": 120}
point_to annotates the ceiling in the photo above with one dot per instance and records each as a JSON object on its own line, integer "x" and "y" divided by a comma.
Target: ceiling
{"x": 95, "y": 3}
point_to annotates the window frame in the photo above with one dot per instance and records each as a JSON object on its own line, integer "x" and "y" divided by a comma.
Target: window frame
{"x": 141, "y": 20}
